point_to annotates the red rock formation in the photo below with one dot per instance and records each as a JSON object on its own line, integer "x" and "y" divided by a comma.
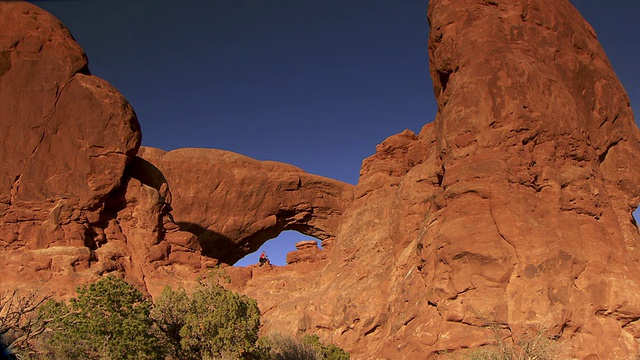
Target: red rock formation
{"x": 56, "y": 157}
{"x": 68, "y": 211}
{"x": 56, "y": 168}
{"x": 234, "y": 203}
{"x": 76, "y": 203}
{"x": 512, "y": 208}
{"x": 306, "y": 251}
{"x": 536, "y": 223}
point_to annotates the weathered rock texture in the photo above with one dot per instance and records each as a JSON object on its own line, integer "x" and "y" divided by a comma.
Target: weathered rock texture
{"x": 56, "y": 168}
{"x": 307, "y": 250}
{"x": 69, "y": 209}
{"x": 512, "y": 209}
{"x": 49, "y": 150}
{"x": 234, "y": 203}
{"x": 539, "y": 161}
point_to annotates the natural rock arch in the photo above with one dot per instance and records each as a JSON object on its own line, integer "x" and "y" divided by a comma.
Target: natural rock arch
{"x": 234, "y": 203}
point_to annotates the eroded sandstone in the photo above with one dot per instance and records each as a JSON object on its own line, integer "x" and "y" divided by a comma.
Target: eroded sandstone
{"x": 75, "y": 202}
{"x": 56, "y": 168}
{"x": 234, "y": 204}
{"x": 507, "y": 209}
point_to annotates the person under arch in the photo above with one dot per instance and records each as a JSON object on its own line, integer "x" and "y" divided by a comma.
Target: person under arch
{"x": 264, "y": 260}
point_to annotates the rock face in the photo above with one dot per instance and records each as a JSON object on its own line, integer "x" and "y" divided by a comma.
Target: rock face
{"x": 56, "y": 168}
{"x": 511, "y": 210}
{"x": 49, "y": 151}
{"x": 75, "y": 203}
{"x": 233, "y": 203}
{"x": 539, "y": 161}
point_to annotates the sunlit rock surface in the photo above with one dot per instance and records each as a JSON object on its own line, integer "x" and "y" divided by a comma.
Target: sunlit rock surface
{"x": 512, "y": 208}
{"x": 234, "y": 203}
{"x": 75, "y": 202}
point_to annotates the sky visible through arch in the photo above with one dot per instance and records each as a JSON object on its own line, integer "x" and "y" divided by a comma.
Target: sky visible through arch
{"x": 315, "y": 83}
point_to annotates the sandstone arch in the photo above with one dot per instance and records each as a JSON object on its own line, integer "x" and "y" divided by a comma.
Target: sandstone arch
{"x": 234, "y": 203}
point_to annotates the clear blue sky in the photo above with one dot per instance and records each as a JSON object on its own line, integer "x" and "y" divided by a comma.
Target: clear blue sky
{"x": 315, "y": 83}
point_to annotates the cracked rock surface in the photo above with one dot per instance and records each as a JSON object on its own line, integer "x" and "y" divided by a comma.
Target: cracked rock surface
{"x": 66, "y": 133}
{"x": 75, "y": 201}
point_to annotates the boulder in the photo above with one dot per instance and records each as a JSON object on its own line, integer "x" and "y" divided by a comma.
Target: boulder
{"x": 67, "y": 137}
{"x": 307, "y": 250}
{"x": 307, "y": 245}
{"x": 75, "y": 202}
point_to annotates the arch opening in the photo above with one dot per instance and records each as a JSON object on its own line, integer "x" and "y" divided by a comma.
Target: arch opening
{"x": 277, "y": 248}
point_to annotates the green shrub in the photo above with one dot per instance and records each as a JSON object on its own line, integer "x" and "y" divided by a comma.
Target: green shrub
{"x": 326, "y": 352}
{"x": 169, "y": 315}
{"x": 212, "y": 322}
{"x": 108, "y": 320}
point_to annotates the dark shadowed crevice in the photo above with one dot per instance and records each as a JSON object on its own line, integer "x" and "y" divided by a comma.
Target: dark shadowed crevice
{"x": 145, "y": 172}
{"x": 214, "y": 244}
{"x": 107, "y": 209}
{"x": 444, "y": 78}
{"x": 5, "y": 62}
{"x": 603, "y": 156}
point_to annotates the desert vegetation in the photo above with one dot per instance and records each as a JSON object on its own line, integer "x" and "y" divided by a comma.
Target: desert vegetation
{"x": 111, "y": 319}
{"x": 533, "y": 344}
{"x": 309, "y": 347}
{"x": 20, "y": 318}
